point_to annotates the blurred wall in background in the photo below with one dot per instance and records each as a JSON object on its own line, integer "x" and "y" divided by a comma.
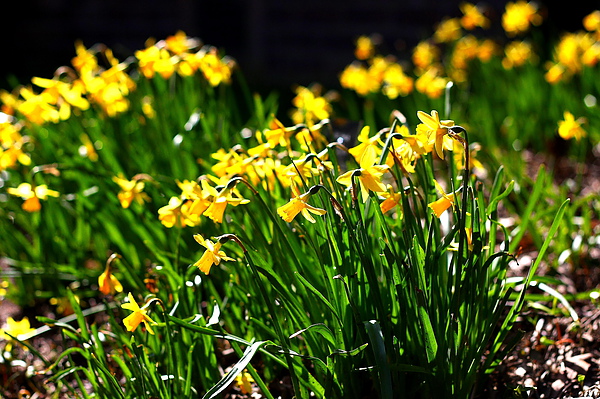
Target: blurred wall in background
{"x": 276, "y": 42}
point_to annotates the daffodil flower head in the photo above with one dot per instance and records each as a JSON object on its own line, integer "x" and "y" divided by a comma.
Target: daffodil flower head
{"x": 131, "y": 190}
{"x": 32, "y": 195}
{"x": 107, "y": 282}
{"x": 211, "y": 256}
{"x": 446, "y": 201}
{"x": 298, "y": 204}
{"x": 139, "y": 315}
{"x": 571, "y": 128}
{"x": 369, "y": 176}
{"x": 436, "y": 131}
{"x": 18, "y": 329}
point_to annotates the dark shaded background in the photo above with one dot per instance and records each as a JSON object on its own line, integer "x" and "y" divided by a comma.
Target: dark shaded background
{"x": 276, "y": 42}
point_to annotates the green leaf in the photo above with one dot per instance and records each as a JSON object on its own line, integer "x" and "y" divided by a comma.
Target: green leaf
{"x": 235, "y": 371}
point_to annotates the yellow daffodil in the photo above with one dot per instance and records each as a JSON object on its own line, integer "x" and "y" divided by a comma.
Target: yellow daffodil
{"x": 212, "y": 256}
{"x": 591, "y": 22}
{"x": 431, "y": 83}
{"x": 356, "y": 77}
{"x": 571, "y": 128}
{"x": 178, "y": 212}
{"x": 311, "y": 107}
{"x": 436, "y": 131}
{"x": 298, "y": 204}
{"x": 368, "y": 175}
{"x": 518, "y": 17}
{"x": 18, "y": 329}
{"x": 446, "y": 201}
{"x": 392, "y": 199}
{"x": 365, "y": 48}
{"x": 215, "y": 69}
{"x": 425, "y": 54}
{"x": 473, "y": 17}
{"x": 517, "y": 53}
{"x": 180, "y": 43}
{"x": 139, "y": 315}
{"x": 245, "y": 381}
{"x": 222, "y": 198}
{"x": 396, "y": 82}
{"x": 108, "y": 283}
{"x": 370, "y": 145}
{"x": 447, "y": 31}
{"x": 32, "y": 195}
{"x": 487, "y": 48}
{"x": 131, "y": 190}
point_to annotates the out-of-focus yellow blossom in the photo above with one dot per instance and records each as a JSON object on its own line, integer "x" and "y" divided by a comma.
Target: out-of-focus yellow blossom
{"x": 230, "y": 163}
{"x": 571, "y": 128}
{"x": 356, "y": 77}
{"x": 153, "y": 60}
{"x": 459, "y": 157}
{"x": 9, "y": 101}
{"x": 473, "y": 17}
{"x": 212, "y": 256}
{"x": 244, "y": 380}
{"x": 3, "y": 288}
{"x": 517, "y": 53}
{"x": 447, "y": 31}
{"x": 180, "y": 43}
{"x": 571, "y": 49}
{"x": 591, "y": 22}
{"x": 299, "y": 204}
{"x": 107, "y": 282}
{"x": 519, "y": 16}
{"x": 436, "y": 131}
{"x": 365, "y": 48}
{"x": 396, "y": 82}
{"x": 465, "y": 50}
{"x": 392, "y": 200}
{"x": 378, "y": 66}
{"x": 139, "y": 315}
{"x": 425, "y": 54}
{"x": 56, "y": 90}
{"x": 310, "y": 106}
{"x": 131, "y": 190}
{"x": 18, "y": 329}
{"x": 591, "y": 55}
{"x": 36, "y": 109}
{"x": 368, "y": 174}
{"x": 278, "y": 134}
{"x": 431, "y": 83}
{"x": 178, "y": 213}
{"x": 446, "y": 201}
{"x": 555, "y": 73}
{"x": 11, "y": 146}
{"x": 310, "y": 137}
{"x": 222, "y": 198}
{"x": 487, "y": 49}
{"x": 85, "y": 59}
{"x": 147, "y": 107}
{"x": 32, "y": 195}
{"x": 87, "y": 149}
{"x": 216, "y": 70}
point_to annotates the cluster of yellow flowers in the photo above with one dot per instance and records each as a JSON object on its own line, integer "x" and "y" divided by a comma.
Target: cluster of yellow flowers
{"x": 576, "y": 51}
{"x": 11, "y": 144}
{"x": 372, "y": 73}
{"x": 86, "y": 82}
{"x": 379, "y": 73}
{"x": 74, "y": 89}
{"x": 178, "y": 54}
